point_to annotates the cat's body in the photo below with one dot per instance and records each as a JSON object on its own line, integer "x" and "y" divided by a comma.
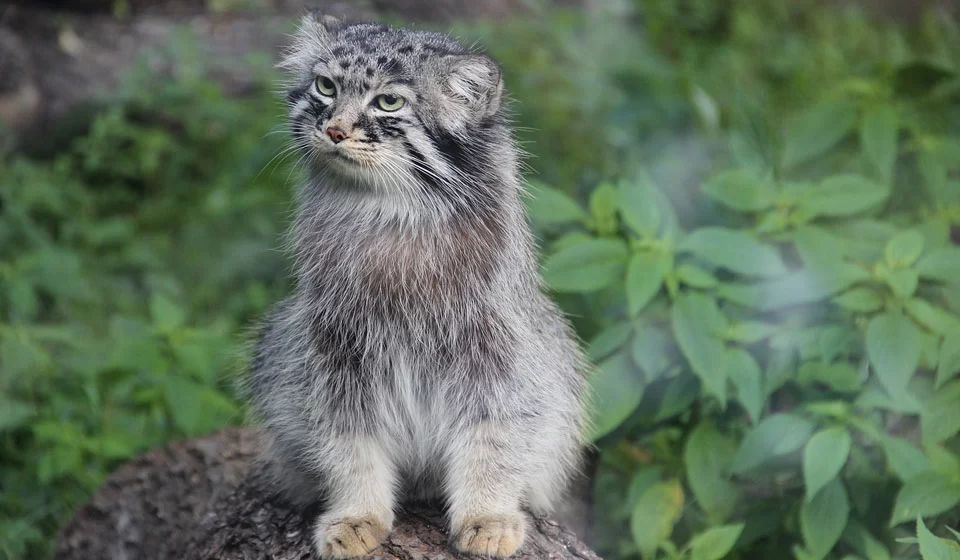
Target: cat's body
{"x": 418, "y": 357}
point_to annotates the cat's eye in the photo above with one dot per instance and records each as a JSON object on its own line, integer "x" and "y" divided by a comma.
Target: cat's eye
{"x": 326, "y": 86}
{"x": 389, "y": 102}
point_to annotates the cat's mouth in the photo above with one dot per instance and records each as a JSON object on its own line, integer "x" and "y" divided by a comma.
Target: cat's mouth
{"x": 347, "y": 163}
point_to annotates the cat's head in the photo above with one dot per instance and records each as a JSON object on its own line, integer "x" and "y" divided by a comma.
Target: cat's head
{"x": 394, "y": 108}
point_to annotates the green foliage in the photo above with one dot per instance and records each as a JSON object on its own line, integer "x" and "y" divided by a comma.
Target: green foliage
{"x": 129, "y": 262}
{"x": 778, "y": 331}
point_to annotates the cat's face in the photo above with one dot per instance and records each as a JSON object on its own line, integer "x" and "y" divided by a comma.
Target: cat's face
{"x": 390, "y": 108}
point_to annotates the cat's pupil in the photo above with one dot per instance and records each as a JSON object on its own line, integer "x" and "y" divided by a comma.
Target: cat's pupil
{"x": 390, "y": 99}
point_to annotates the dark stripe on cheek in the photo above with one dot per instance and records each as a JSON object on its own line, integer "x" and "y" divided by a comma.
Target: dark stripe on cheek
{"x": 369, "y": 129}
{"x": 389, "y": 126}
{"x": 450, "y": 147}
{"x": 420, "y": 167}
{"x": 295, "y": 94}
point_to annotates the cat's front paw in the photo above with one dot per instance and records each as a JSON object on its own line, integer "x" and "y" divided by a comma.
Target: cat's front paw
{"x": 348, "y": 537}
{"x": 490, "y": 535}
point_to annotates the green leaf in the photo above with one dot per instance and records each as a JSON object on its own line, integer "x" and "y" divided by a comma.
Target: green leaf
{"x": 935, "y": 231}
{"x": 166, "y": 314}
{"x": 842, "y": 195}
{"x": 570, "y": 239}
{"x": 904, "y": 248}
{"x": 117, "y": 445}
{"x": 692, "y": 317}
{"x": 751, "y": 147}
{"x": 15, "y": 414}
{"x": 857, "y": 536}
{"x": 745, "y": 374}
{"x": 904, "y": 459}
{"x": 943, "y": 460}
{"x": 878, "y": 136}
{"x": 942, "y": 265}
{"x": 603, "y": 209}
{"x": 936, "y": 319}
{"x": 551, "y": 207}
{"x": 708, "y": 456}
{"x": 873, "y": 396}
{"x": 695, "y": 276}
{"x": 59, "y": 272}
{"x": 23, "y": 300}
{"x": 649, "y": 351}
{"x": 949, "y": 357}
{"x": 841, "y": 376}
{"x": 750, "y": 331}
{"x": 860, "y": 300}
{"x": 608, "y": 341}
{"x": 654, "y": 516}
{"x": 196, "y": 358}
{"x": 195, "y": 408}
{"x": 617, "y": 389}
{"x": 903, "y": 282}
{"x": 781, "y": 368}
{"x": 941, "y": 416}
{"x": 933, "y": 547}
{"x": 925, "y": 495}
{"x": 741, "y": 190}
{"x": 824, "y": 518}
{"x": 677, "y": 397}
{"x": 588, "y": 266}
{"x": 776, "y": 435}
{"x": 796, "y": 288}
{"x": 817, "y": 130}
{"x": 733, "y": 250}
{"x": 17, "y": 356}
{"x": 59, "y": 462}
{"x": 644, "y": 277}
{"x": 894, "y": 345}
{"x": 642, "y": 480}
{"x": 640, "y": 207}
{"x": 716, "y": 542}
{"x": 824, "y": 457}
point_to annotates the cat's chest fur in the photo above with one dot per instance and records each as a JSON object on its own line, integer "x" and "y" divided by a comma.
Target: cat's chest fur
{"x": 415, "y": 274}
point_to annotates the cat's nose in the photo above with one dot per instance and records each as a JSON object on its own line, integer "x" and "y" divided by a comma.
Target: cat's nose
{"x": 336, "y": 134}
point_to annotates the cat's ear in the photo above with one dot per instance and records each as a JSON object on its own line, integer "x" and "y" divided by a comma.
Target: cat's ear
{"x": 318, "y": 21}
{"x": 474, "y": 81}
{"x": 312, "y": 40}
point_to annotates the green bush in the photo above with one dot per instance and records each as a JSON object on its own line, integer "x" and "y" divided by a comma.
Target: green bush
{"x": 777, "y": 344}
{"x": 745, "y": 207}
{"x": 129, "y": 263}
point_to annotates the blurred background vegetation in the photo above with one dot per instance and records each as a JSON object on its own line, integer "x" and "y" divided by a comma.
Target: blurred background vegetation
{"x": 749, "y": 209}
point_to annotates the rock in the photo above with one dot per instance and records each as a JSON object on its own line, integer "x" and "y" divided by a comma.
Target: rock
{"x": 200, "y": 499}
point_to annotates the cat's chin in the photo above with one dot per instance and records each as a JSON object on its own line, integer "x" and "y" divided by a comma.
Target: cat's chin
{"x": 350, "y": 173}
{"x": 345, "y": 166}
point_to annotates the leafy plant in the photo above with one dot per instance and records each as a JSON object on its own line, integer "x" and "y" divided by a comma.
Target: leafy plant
{"x": 776, "y": 373}
{"x": 129, "y": 262}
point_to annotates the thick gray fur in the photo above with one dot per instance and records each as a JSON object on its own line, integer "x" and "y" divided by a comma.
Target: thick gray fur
{"x": 418, "y": 356}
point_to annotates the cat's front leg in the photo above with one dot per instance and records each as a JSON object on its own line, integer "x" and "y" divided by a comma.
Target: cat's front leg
{"x": 360, "y": 499}
{"x": 484, "y": 484}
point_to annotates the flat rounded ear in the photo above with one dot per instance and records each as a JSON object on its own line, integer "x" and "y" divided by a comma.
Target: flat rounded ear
{"x": 313, "y": 37}
{"x": 474, "y": 80}
{"x": 318, "y": 18}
